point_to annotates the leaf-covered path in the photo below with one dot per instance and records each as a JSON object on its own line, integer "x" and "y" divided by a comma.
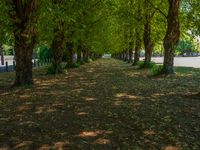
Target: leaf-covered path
{"x": 106, "y": 104}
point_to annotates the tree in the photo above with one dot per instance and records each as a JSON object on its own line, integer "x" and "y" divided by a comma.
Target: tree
{"x": 23, "y": 19}
{"x": 138, "y": 32}
{"x": 57, "y": 48}
{"x": 172, "y": 36}
{"x": 2, "y": 55}
{"x": 147, "y": 37}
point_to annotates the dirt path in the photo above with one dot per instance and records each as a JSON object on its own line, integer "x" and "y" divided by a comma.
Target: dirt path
{"x": 106, "y": 104}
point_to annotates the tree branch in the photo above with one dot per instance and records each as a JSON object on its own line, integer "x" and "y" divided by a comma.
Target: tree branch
{"x": 158, "y": 9}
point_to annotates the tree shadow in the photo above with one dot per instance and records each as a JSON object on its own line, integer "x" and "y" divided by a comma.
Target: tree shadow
{"x": 102, "y": 105}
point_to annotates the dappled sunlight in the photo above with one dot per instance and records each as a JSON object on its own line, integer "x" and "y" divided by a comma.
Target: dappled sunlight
{"x": 45, "y": 109}
{"x": 91, "y": 70}
{"x": 29, "y": 123}
{"x": 101, "y": 141}
{"x": 25, "y": 96}
{"x": 4, "y": 119}
{"x": 24, "y": 145}
{"x": 171, "y": 148}
{"x": 96, "y": 133}
{"x": 106, "y": 107}
{"x": 158, "y": 94}
{"x": 149, "y": 133}
{"x": 78, "y": 90}
{"x": 55, "y": 146}
{"x": 24, "y": 108}
{"x": 89, "y": 99}
{"x": 133, "y": 73}
{"x": 128, "y": 96}
{"x": 40, "y": 110}
{"x": 82, "y": 113}
{"x": 118, "y": 102}
{"x": 4, "y": 93}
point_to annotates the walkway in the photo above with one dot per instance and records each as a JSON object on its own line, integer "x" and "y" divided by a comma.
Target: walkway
{"x": 106, "y": 104}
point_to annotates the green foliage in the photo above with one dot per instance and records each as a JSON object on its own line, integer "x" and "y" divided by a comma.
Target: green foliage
{"x": 156, "y": 70}
{"x": 73, "y": 65}
{"x": 141, "y": 64}
{"x": 51, "y": 69}
{"x": 80, "y": 62}
{"x": 185, "y": 46}
{"x": 44, "y": 53}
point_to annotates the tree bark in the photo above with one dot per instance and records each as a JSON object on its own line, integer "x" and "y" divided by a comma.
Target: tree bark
{"x": 23, "y": 57}
{"x": 85, "y": 55}
{"x": 79, "y": 55}
{"x": 172, "y": 36}
{"x": 130, "y": 55}
{"x": 138, "y": 42}
{"x": 137, "y": 49}
{"x": 2, "y": 55}
{"x": 126, "y": 53}
{"x": 23, "y": 17}
{"x": 148, "y": 43}
{"x": 58, "y": 49}
{"x": 69, "y": 54}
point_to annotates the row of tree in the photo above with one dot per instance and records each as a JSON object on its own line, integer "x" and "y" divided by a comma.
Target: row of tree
{"x": 60, "y": 24}
{"x": 93, "y": 27}
{"x": 156, "y": 20}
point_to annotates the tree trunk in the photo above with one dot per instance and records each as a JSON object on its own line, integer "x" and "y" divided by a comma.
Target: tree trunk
{"x": 137, "y": 50}
{"x": 79, "y": 56}
{"x": 85, "y": 55}
{"x": 148, "y": 43}
{"x": 2, "y": 55}
{"x": 130, "y": 59}
{"x": 23, "y": 16}
{"x": 23, "y": 57}
{"x": 126, "y": 55}
{"x": 69, "y": 54}
{"x": 130, "y": 55}
{"x": 138, "y": 29}
{"x": 58, "y": 49}
{"x": 172, "y": 36}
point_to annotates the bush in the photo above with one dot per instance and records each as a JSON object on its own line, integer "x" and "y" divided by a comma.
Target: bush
{"x": 80, "y": 62}
{"x": 156, "y": 70}
{"x": 150, "y": 65}
{"x": 55, "y": 70}
{"x": 73, "y": 65}
{"x": 51, "y": 69}
{"x": 142, "y": 65}
{"x": 93, "y": 58}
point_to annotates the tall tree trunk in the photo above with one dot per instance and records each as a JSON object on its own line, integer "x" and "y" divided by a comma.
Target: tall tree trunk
{"x": 85, "y": 57}
{"x": 58, "y": 49}
{"x": 2, "y": 55}
{"x": 126, "y": 55}
{"x": 79, "y": 55}
{"x": 23, "y": 57}
{"x": 130, "y": 55}
{"x": 172, "y": 36}
{"x": 137, "y": 49}
{"x": 130, "y": 59}
{"x": 148, "y": 43}
{"x": 23, "y": 16}
{"x": 138, "y": 29}
{"x": 69, "y": 54}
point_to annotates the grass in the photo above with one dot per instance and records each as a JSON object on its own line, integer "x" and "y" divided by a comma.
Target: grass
{"x": 105, "y": 104}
